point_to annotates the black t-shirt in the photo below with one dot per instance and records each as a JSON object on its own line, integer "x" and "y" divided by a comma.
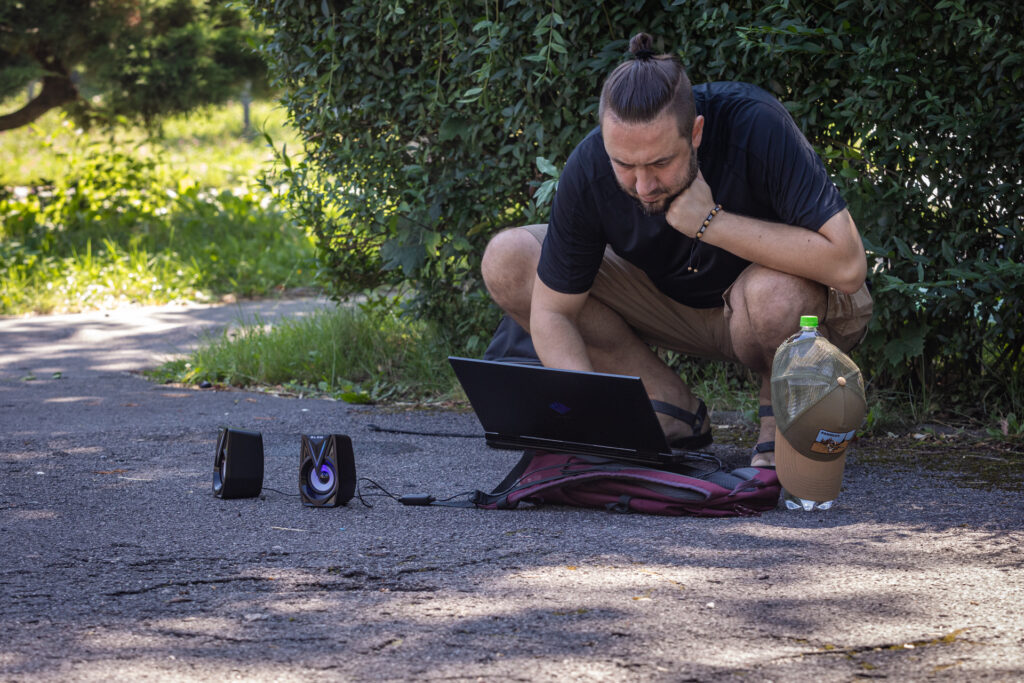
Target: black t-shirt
{"x": 757, "y": 163}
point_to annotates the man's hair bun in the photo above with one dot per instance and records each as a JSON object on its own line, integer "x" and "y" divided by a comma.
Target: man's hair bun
{"x": 641, "y": 46}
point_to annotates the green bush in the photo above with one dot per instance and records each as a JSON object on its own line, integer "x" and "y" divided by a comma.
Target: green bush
{"x": 429, "y": 126}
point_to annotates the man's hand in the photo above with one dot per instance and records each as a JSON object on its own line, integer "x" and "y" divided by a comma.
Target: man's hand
{"x": 832, "y": 255}
{"x": 687, "y": 212}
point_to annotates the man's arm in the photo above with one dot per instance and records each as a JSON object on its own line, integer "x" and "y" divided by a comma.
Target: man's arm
{"x": 833, "y": 256}
{"x": 555, "y": 330}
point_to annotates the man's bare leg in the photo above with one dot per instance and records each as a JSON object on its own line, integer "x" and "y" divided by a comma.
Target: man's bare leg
{"x": 509, "y": 267}
{"x": 766, "y": 307}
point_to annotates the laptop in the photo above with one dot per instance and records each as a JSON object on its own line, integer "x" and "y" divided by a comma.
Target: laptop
{"x": 534, "y": 407}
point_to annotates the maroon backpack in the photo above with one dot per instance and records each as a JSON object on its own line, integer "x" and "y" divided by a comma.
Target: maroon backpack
{"x": 701, "y": 487}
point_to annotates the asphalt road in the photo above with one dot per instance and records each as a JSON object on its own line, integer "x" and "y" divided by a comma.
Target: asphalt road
{"x": 118, "y": 563}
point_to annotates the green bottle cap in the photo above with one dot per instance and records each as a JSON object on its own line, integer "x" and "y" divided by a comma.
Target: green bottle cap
{"x": 808, "y": 321}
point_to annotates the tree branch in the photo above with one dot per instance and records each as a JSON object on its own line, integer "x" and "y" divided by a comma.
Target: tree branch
{"x": 57, "y": 90}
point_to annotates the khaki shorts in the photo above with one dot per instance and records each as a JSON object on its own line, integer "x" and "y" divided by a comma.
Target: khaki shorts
{"x": 666, "y": 323}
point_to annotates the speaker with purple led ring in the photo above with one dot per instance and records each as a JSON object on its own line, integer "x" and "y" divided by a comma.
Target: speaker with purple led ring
{"x": 327, "y": 470}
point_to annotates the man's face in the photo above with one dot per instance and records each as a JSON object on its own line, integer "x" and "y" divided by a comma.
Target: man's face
{"x": 653, "y": 163}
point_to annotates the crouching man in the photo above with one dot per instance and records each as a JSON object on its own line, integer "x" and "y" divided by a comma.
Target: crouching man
{"x": 696, "y": 219}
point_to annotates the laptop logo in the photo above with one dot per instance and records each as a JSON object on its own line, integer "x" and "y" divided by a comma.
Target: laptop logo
{"x": 559, "y": 408}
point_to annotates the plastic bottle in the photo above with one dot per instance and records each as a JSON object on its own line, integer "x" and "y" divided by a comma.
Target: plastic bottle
{"x": 808, "y": 328}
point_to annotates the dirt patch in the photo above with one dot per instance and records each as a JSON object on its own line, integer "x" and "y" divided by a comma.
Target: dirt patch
{"x": 977, "y": 461}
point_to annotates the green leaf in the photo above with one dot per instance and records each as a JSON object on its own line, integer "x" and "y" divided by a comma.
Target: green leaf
{"x": 907, "y": 347}
{"x": 546, "y": 167}
{"x": 453, "y": 127}
{"x": 408, "y": 257}
{"x": 356, "y": 397}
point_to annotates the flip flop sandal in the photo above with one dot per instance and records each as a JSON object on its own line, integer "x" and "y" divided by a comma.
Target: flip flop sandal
{"x": 695, "y": 420}
{"x": 765, "y": 446}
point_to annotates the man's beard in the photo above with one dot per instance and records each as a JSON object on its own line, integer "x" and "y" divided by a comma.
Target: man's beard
{"x": 660, "y": 207}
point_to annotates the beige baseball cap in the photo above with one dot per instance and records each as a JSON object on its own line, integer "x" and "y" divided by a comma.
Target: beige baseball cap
{"x": 818, "y": 401}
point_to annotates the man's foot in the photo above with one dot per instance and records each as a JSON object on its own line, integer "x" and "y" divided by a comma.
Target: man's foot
{"x": 763, "y": 453}
{"x": 699, "y": 434}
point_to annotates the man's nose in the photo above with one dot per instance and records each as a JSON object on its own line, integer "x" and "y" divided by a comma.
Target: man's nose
{"x": 646, "y": 183}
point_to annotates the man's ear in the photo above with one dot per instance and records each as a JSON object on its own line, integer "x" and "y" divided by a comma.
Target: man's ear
{"x": 698, "y": 131}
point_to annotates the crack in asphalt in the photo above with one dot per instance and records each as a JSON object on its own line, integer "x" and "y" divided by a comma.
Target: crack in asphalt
{"x": 193, "y": 636}
{"x": 954, "y": 637}
{"x": 184, "y": 584}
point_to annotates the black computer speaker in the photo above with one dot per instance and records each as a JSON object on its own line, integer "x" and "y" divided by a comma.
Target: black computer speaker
{"x": 327, "y": 470}
{"x": 238, "y": 465}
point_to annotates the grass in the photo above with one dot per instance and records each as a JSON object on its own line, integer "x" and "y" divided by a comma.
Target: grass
{"x": 95, "y": 220}
{"x": 344, "y": 353}
{"x": 208, "y": 146}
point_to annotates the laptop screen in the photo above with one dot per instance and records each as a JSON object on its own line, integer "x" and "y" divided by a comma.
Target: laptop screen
{"x": 529, "y": 406}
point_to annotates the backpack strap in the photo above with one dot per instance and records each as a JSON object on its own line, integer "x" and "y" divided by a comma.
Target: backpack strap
{"x": 513, "y": 481}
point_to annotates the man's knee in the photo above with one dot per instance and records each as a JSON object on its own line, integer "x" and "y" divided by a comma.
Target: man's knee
{"x": 771, "y": 302}
{"x": 508, "y": 267}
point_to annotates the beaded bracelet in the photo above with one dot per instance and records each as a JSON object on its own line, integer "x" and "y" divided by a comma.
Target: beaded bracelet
{"x": 707, "y": 221}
